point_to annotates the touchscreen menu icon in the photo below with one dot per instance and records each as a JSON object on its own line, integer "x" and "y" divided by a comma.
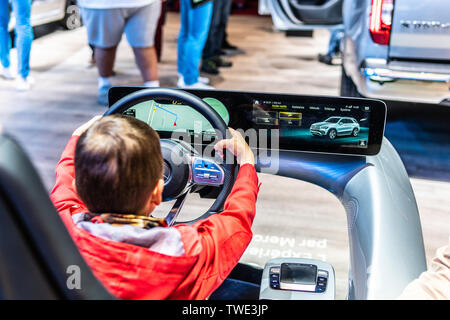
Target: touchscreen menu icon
{"x": 290, "y": 118}
{"x": 266, "y": 117}
{"x": 276, "y": 113}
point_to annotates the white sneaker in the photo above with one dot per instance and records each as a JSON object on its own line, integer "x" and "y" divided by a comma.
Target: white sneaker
{"x": 152, "y": 84}
{"x": 24, "y": 84}
{"x": 204, "y": 80}
{"x": 7, "y": 74}
{"x": 181, "y": 84}
{"x": 198, "y": 85}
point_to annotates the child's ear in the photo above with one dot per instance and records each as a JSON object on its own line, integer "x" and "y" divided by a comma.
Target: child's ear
{"x": 155, "y": 198}
{"x": 157, "y": 192}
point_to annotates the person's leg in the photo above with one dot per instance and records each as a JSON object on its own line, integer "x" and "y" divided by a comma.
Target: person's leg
{"x": 104, "y": 59}
{"x": 212, "y": 41}
{"x": 5, "y": 39}
{"x": 159, "y": 31}
{"x": 225, "y": 9}
{"x": 337, "y": 42}
{"x": 225, "y": 44}
{"x": 334, "y": 42}
{"x": 183, "y": 36}
{"x": 243, "y": 283}
{"x": 92, "y": 61}
{"x": 232, "y": 289}
{"x": 333, "y": 47}
{"x": 140, "y": 30}
{"x": 24, "y": 35}
{"x": 223, "y": 12}
{"x": 212, "y": 44}
{"x": 198, "y": 28}
{"x": 104, "y": 29}
{"x": 246, "y": 272}
{"x": 147, "y": 62}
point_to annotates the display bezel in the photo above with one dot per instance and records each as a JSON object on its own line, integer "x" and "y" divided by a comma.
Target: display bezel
{"x": 377, "y": 118}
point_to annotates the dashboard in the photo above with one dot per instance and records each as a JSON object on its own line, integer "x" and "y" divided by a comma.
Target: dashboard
{"x": 277, "y": 121}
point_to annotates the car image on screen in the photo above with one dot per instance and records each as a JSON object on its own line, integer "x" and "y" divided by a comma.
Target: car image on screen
{"x": 335, "y": 126}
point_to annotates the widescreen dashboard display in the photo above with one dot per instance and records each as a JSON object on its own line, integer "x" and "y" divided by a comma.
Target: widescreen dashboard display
{"x": 299, "y": 123}
{"x": 345, "y": 125}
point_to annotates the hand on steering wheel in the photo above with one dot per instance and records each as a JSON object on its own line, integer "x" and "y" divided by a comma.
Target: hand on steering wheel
{"x": 237, "y": 146}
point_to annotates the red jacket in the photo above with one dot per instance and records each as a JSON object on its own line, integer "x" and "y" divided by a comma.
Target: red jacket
{"x": 212, "y": 247}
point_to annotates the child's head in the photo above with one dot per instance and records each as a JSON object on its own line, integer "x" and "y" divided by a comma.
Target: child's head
{"x": 119, "y": 166}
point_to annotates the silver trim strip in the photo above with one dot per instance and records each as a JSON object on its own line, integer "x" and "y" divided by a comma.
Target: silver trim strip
{"x": 385, "y": 75}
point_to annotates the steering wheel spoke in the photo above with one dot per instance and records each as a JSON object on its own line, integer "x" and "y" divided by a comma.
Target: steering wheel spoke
{"x": 176, "y": 209}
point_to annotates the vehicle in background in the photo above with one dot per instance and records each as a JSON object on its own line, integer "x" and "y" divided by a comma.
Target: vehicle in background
{"x": 335, "y": 126}
{"x": 292, "y": 15}
{"x": 396, "y": 50}
{"x": 46, "y": 11}
{"x": 404, "y": 56}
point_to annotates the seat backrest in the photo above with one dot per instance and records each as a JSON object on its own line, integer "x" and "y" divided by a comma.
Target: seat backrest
{"x": 38, "y": 258}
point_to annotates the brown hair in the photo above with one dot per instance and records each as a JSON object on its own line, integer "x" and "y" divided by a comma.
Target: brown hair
{"x": 118, "y": 162}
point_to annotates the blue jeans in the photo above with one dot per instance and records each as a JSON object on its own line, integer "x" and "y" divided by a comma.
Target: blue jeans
{"x": 335, "y": 40}
{"x": 23, "y": 31}
{"x": 243, "y": 283}
{"x": 191, "y": 40}
{"x": 219, "y": 20}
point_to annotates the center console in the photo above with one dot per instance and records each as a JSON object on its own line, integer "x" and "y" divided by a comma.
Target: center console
{"x": 297, "y": 279}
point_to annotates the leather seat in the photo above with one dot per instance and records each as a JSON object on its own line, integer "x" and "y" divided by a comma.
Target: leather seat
{"x": 38, "y": 258}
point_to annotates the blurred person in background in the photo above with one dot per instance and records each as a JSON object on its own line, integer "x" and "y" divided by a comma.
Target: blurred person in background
{"x": 195, "y": 19}
{"x": 24, "y": 38}
{"x": 333, "y": 47}
{"x": 159, "y": 30}
{"x": 106, "y": 21}
{"x": 216, "y": 37}
{"x": 226, "y": 45}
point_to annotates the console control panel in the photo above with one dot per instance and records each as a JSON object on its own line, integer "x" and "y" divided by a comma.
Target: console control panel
{"x": 297, "y": 279}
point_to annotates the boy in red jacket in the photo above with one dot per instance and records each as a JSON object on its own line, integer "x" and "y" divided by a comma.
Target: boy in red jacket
{"x": 108, "y": 182}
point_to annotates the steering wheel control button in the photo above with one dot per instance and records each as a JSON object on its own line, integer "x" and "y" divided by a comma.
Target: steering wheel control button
{"x": 207, "y": 172}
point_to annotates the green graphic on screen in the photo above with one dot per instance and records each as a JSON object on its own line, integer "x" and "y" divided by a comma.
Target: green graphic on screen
{"x": 177, "y": 117}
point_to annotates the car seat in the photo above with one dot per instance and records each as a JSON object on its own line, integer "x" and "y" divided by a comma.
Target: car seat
{"x": 37, "y": 254}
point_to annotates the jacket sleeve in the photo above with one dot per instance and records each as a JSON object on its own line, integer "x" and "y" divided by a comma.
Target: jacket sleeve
{"x": 63, "y": 194}
{"x": 220, "y": 240}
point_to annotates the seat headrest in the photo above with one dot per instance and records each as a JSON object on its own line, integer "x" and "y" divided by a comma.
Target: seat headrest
{"x": 27, "y": 202}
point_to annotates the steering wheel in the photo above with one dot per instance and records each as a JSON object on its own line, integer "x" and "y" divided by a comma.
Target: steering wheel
{"x": 184, "y": 169}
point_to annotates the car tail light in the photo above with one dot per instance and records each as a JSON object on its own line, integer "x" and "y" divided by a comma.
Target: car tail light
{"x": 381, "y": 20}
